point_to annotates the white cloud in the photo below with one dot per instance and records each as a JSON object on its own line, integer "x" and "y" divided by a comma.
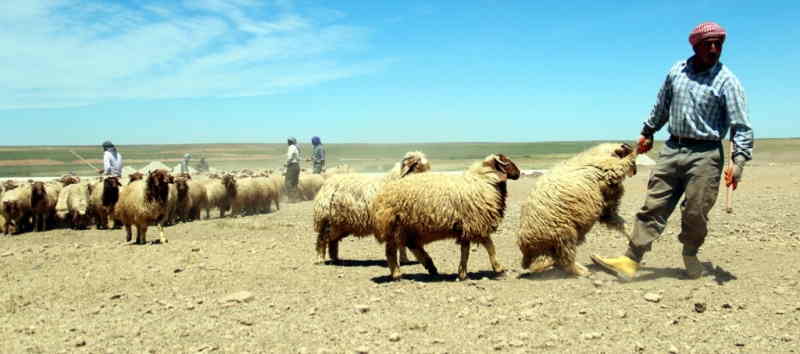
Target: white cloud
{"x": 63, "y": 53}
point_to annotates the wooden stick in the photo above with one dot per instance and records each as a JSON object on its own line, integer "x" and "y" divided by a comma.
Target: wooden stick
{"x": 729, "y": 192}
{"x": 82, "y": 159}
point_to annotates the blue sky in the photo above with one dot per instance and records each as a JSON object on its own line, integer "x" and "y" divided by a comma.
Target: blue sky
{"x": 203, "y": 71}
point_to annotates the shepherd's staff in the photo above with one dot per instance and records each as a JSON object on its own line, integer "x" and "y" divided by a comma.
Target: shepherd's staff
{"x": 82, "y": 159}
{"x": 729, "y": 192}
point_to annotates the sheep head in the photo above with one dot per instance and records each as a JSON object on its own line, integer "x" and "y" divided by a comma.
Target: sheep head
{"x": 9, "y": 185}
{"x": 69, "y": 179}
{"x": 414, "y": 162}
{"x": 158, "y": 186}
{"x": 627, "y": 153}
{"x": 135, "y": 176}
{"x": 38, "y": 193}
{"x": 503, "y": 165}
{"x": 229, "y": 181}
{"x": 182, "y": 185}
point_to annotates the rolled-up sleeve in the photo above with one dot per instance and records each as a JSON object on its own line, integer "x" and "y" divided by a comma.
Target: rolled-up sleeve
{"x": 736, "y": 110}
{"x": 660, "y": 113}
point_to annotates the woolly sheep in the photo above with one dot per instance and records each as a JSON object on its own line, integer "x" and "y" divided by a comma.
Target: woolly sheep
{"x": 308, "y": 185}
{"x": 267, "y": 194}
{"x": 73, "y": 205}
{"x": 105, "y": 194}
{"x": 177, "y": 200}
{"x": 246, "y": 197}
{"x": 565, "y": 203}
{"x": 221, "y": 193}
{"x": 344, "y": 204}
{"x": 143, "y": 203}
{"x": 426, "y": 207}
{"x": 197, "y": 198}
{"x": 44, "y": 197}
{"x": 16, "y": 208}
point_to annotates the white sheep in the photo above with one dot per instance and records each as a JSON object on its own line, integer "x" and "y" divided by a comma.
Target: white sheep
{"x": 143, "y": 203}
{"x": 220, "y": 193}
{"x": 73, "y": 205}
{"x": 566, "y": 202}
{"x": 16, "y": 208}
{"x": 426, "y": 207}
{"x": 344, "y": 204}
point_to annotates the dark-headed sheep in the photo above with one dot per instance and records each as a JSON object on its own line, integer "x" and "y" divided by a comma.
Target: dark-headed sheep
{"x": 144, "y": 203}
{"x": 426, "y": 207}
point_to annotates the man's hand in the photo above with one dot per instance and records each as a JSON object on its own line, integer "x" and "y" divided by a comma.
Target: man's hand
{"x": 733, "y": 173}
{"x": 99, "y": 171}
{"x": 644, "y": 144}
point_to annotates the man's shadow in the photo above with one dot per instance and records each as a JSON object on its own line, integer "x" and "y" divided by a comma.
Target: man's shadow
{"x": 719, "y": 274}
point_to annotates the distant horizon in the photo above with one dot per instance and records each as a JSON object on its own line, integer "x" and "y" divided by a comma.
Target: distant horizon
{"x": 366, "y": 143}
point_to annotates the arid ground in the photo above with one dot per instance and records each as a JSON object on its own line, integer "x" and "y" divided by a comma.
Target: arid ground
{"x": 250, "y": 285}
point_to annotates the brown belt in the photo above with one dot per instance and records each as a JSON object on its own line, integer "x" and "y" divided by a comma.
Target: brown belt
{"x": 690, "y": 141}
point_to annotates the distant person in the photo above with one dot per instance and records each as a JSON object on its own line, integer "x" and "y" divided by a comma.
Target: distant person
{"x": 292, "y": 169}
{"x": 701, "y": 99}
{"x": 112, "y": 160}
{"x": 202, "y": 166}
{"x": 185, "y": 163}
{"x": 318, "y": 155}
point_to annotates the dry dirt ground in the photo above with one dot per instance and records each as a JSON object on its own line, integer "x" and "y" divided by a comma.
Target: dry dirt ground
{"x": 249, "y": 285}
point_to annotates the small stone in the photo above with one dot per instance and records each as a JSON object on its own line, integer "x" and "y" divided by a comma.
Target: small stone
{"x": 245, "y": 322}
{"x": 437, "y": 341}
{"x": 7, "y": 254}
{"x": 597, "y": 283}
{"x": 516, "y": 343}
{"x": 672, "y": 349}
{"x": 116, "y": 296}
{"x": 582, "y": 311}
{"x": 622, "y": 314}
{"x": 592, "y": 335}
{"x": 495, "y": 322}
{"x": 361, "y": 308}
{"x": 195, "y": 250}
{"x": 80, "y": 343}
{"x": 699, "y": 307}
{"x": 238, "y": 297}
{"x": 394, "y": 337}
{"x": 727, "y": 306}
{"x": 652, "y": 297}
{"x": 177, "y": 270}
{"x": 362, "y": 350}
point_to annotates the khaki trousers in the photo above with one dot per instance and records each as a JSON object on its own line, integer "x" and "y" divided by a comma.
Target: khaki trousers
{"x": 689, "y": 170}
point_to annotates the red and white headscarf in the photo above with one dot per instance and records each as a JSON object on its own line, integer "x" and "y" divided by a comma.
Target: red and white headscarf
{"x": 706, "y": 30}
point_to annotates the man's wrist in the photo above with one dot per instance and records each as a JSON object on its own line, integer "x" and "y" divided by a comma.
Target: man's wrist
{"x": 739, "y": 160}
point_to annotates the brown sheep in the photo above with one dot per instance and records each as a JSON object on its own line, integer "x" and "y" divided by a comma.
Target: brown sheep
{"x": 566, "y": 202}
{"x": 44, "y": 197}
{"x": 16, "y": 208}
{"x": 198, "y": 200}
{"x": 426, "y": 207}
{"x": 144, "y": 203}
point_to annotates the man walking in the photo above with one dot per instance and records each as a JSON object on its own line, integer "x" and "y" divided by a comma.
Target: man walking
{"x": 292, "y": 169}
{"x": 318, "y": 155}
{"x": 185, "y": 163}
{"x": 701, "y": 99}
{"x": 112, "y": 160}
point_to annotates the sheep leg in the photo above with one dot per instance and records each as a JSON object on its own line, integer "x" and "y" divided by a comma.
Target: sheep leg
{"x": 321, "y": 246}
{"x": 488, "y": 244}
{"x": 403, "y": 255}
{"x": 462, "y": 267}
{"x": 333, "y": 249}
{"x": 391, "y": 259}
{"x": 128, "y": 233}
{"x": 162, "y": 234}
{"x": 421, "y": 256}
{"x": 566, "y": 261}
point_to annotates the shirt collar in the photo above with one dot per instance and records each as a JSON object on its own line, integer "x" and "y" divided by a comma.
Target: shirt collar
{"x": 710, "y": 71}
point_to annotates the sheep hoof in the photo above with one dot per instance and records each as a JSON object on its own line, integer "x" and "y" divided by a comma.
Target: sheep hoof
{"x": 396, "y": 276}
{"x": 462, "y": 276}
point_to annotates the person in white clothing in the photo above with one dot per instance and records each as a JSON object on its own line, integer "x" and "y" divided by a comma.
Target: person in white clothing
{"x": 292, "y": 169}
{"x": 112, "y": 160}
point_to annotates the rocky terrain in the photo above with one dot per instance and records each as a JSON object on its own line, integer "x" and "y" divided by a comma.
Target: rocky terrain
{"x": 250, "y": 285}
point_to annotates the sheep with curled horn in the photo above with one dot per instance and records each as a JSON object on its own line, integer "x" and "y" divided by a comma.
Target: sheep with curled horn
{"x": 143, "y": 203}
{"x": 566, "y": 202}
{"x": 426, "y": 207}
{"x": 344, "y": 204}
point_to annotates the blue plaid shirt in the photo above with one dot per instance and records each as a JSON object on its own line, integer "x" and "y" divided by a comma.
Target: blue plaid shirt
{"x": 703, "y": 106}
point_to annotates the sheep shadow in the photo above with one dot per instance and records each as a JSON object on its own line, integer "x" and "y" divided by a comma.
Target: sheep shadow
{"x": 440, "y": 278}
{"x": 364, "y": 263}
{"x": 549, "y": 274}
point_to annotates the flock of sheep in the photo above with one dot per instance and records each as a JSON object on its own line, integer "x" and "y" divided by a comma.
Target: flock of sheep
{"x": 406, "y": 208}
